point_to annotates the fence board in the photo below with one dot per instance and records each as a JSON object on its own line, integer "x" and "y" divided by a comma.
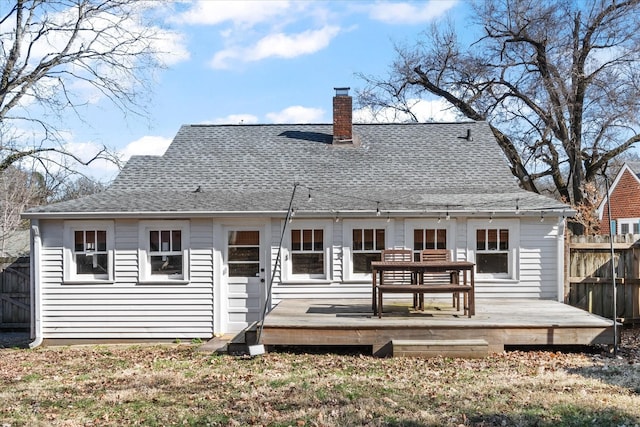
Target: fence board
{"x": 590, "y": 283}
{"x": 15, "y": 302}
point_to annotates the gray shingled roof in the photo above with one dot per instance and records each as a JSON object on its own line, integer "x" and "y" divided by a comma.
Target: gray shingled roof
{"x": 252, "y": 168}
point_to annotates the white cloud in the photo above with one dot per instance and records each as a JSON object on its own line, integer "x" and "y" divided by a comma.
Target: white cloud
{"x": 171, "y": 47}
{"x": 103, "y": 34}
{"x": 437, "y": 110}
{"x": 297, "y": 114}
{"x": 278, "y": 45}
{"x": 290, "y": 46}
{"x": 106, "y": 171}
{"x": 236, "y": 119}
{"x": 240, "y": 13}
{"x": 410, "y": 13}
{"x": 147, "y": 145}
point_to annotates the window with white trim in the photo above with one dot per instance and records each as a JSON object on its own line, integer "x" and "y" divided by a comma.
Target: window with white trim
{"x": 363, "y": 242}
{"x": 366, "y": 246}
{"x": 629, "y": 226}
{"x": 493, "y": 246}
{"x": 428, "y": 238}
{"x": 307, "y": 252}
{"x": 164, "y": 250}
{"x": 492, "y": 251}
{"x": 88, "y": 254}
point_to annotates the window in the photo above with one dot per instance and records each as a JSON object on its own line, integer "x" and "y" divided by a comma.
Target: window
{"x": 428, "y": 238}
{"x": 629, "y": 226}
{"x": 243, "y": 249}
{"x": 307, "y": 252}
{"x": 363, "y": 241}
{"x": 493, "y": 247}
{"x": 492, "y": 251}
{"x": 88, "y": 254}
{"x": 164, "y": 250}
{"x": 366, "y": 245}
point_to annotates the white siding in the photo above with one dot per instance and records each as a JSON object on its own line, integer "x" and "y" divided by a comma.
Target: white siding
{"x": 537, "y": 264}
{"x": 126, "y": 309}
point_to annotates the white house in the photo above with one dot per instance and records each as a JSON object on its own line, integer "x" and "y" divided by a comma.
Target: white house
{"x": 185, "y": 245}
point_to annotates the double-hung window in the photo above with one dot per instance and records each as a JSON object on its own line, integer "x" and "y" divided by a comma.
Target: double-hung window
{"x": 164, "y": 250}
{"x": 495, "y": 248}
{"x": 629, "y": 226}
{"x": 428, "y": 238}
{"x": 307, "y": 252}
{"x": 88, "y": 254}
{"x": 363, "y": 243}
{"x": 307, "y": 249}
{"x": 492, "y": 250}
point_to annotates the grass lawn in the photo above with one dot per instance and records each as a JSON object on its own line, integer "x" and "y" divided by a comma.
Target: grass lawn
{"x": 165, "y": 385}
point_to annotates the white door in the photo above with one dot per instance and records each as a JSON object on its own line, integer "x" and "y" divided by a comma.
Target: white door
{"x": 245, "y": 277}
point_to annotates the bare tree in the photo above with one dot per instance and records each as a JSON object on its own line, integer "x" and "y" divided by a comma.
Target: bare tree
{"x": 55, "y": 56}
{"x": 557, "y": 80}
{"x": 74, "y": 189}
{"x": 18, "y": 190}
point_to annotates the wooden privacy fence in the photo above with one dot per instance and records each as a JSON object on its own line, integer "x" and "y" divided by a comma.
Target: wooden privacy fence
{"x": 589, "y": 284}
{"x": 15, "y": 308}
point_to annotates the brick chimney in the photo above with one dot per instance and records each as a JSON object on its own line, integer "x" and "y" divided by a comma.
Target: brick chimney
{"x": 342, "y": 116}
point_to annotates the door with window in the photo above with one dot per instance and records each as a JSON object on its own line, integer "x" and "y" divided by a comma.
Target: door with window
{"x": 245, "y": 277}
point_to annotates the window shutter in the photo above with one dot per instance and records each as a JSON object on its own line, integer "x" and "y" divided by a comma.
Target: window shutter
{"x": 613, "y": 226}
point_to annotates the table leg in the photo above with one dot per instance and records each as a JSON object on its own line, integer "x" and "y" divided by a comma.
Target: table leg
{"x": 373, "y": 292}
{"x": 472, "y": 294}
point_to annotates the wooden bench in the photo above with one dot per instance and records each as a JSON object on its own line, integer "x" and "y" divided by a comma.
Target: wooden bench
{"x": 419, "y": 290}
{"x": 435, "y": 273}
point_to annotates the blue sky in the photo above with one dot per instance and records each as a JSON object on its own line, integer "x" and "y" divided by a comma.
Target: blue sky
{"x": 259, "y": 62}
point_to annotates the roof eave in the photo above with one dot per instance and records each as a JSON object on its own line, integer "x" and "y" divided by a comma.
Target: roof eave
{"x": 566, "y": 212}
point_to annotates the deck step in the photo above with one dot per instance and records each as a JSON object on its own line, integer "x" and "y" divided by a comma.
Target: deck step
{"x": 240, "y": 343}
{"x": 468, "y": 349}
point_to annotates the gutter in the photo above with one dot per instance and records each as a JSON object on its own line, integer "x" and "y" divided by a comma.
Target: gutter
{"x": 561, "y": 256}
{"x": 564, "y": 212}
{"x": 36, "y": 303}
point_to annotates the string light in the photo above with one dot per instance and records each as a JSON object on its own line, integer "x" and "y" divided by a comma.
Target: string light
{"x": 388, "y": 217}
{"x": 541, "y": 217}
{"x": 491, "y": 218}
{"x": 471, "y": 207}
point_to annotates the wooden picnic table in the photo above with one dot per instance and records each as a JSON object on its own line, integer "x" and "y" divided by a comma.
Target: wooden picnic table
{"x": 420, "y": 284}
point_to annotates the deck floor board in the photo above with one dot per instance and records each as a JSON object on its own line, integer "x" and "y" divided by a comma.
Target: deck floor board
{"x": 500, "y": 322}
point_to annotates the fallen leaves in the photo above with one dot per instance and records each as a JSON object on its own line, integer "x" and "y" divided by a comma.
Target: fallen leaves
{"x": 175, "y": 385}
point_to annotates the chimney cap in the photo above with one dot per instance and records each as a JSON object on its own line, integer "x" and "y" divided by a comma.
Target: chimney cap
{"x": 342, "y": 91}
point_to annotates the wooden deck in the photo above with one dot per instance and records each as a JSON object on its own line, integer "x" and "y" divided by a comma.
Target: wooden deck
{"x": 500, "y": 322}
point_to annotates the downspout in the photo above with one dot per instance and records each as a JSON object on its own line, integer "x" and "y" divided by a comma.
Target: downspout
{"x": 561, "y": 256}
{"x": 36, "y": 302}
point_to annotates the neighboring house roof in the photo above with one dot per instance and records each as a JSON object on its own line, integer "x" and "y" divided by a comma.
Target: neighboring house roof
{"x": 16, "y": 244}
{"x": 635, "y": 167}
{"x": 634, "y": 170}
{"x": 222, "y": 169}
